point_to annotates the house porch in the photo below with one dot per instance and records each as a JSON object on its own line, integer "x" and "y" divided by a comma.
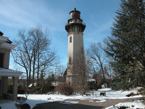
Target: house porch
{"x": 4, "y": 74}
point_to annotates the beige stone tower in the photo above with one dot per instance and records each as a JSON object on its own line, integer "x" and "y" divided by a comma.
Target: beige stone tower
{"x": 75, "y": 60}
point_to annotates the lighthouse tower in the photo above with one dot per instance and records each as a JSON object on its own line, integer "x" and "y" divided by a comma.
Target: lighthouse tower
{"x": 75, "y": 61}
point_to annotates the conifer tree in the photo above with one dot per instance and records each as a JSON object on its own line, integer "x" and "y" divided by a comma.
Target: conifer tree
{"x": 126, "y": 45}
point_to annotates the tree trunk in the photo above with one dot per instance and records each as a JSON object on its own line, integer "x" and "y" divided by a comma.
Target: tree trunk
{"x": 38, "y": 69}
{"x": 33, "y": 68}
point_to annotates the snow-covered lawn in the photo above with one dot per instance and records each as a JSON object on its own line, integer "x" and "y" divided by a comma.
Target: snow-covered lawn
{"x": 130, "y": 105}
{"x": 34, "y": 99}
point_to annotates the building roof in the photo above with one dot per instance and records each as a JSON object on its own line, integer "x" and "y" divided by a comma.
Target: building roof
{"x": 91, "y": 80}
{"x": 32, "y": 84}
{"x": 5, "y": 42}
{"x": 55, "y": 83}
{"x": 9, "y": 72}
{"x": 1, "y": 33}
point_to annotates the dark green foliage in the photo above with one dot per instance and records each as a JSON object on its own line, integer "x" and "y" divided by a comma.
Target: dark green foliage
{"x": 103, "y": 81}
{"x": 5, "y": 96}
{"x": 117, "y": 84}
{"x": 10, "y": 89}
{"x": 20, "y": 89}
{"x": 114, "y": 84}
{"x": 42, "y": 89}
{"x": 36, "y": 90}
{"x": 43, "y": 85}
{"x": 94, "y": 86}
{"x": 126, "y": 46}
{"x": 48, "y": 87}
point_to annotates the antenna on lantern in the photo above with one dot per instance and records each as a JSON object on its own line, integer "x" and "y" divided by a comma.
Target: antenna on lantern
{"x": 74, "y": 3}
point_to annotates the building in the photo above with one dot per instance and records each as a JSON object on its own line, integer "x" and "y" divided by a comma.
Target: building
{"x": 99, "y": 78}
{"x": 5, "y": 48}
{"x": 76, "y": 60}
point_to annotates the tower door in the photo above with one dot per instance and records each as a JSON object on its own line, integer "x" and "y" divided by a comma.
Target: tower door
{"x": 1, "y": 60}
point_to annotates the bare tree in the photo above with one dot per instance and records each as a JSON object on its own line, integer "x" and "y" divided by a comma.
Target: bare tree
{"x": 89, "y": 65}
{"x": 98, "y": 59}
{"x": 33, "y": 53}
{"x": 60, "y": 69}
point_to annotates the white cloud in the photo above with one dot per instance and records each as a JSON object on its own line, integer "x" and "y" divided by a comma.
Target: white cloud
{"x": 26, "y": 13}
{"x": 99, "y": 31}
{"x": 101, "y": 28}
{"x": 13, "y": 14}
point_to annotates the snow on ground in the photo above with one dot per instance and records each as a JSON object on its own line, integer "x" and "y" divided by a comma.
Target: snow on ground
{"x": 34, "y": 99}
{"x": 129, "y": 105}
{"x": 11, "y": 104}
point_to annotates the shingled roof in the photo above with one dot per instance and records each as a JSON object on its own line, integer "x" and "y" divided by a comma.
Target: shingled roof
{"x": 7, "y": 41}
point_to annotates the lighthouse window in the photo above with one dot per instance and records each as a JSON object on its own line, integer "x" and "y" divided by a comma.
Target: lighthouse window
{"x": 69, "y": 60}
{"x": 80, "y": 29}
{"x": 70, "y": 39}
{"x": 70, "y": 15}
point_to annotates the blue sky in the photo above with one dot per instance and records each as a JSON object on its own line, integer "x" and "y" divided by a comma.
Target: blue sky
{"x": 53, "y": 14}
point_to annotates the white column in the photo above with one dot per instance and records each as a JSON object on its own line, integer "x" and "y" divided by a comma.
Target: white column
{"x": 15, "y": 88}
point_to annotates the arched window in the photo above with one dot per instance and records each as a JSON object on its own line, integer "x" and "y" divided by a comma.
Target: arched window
{"x": 69, "y": 60}
{"x": 70, "y": 39}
